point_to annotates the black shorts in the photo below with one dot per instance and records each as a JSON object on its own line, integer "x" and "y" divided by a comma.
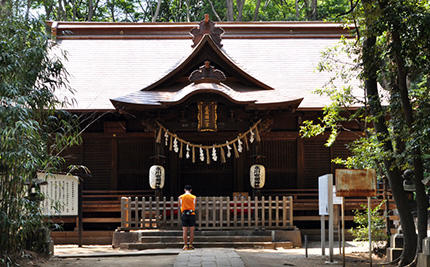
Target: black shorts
{"x": 188, "y": 220}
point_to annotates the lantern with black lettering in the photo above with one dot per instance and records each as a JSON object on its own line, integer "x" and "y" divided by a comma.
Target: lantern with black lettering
{"x": 156, "y": 177}
{"x": 257, "y": 176}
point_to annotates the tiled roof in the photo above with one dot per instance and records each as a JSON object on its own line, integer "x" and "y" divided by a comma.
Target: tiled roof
{"x": 104, "y": 69}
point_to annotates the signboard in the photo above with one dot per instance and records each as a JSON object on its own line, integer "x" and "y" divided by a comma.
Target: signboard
{"x": 323, "y": 182}
{"x": 323, "y": 191}
{"x": 61, "y": 194}
{"x": 336, "y": 200}
{"x": 355, "y": 183}
{"x": 207, "y": 116}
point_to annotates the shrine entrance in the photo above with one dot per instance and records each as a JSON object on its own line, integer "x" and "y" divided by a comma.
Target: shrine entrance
{"x": 208, "y": 180}
{"x": 214, "y": 179}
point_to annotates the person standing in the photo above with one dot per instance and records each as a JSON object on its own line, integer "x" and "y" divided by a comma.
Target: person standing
{"x": 187, "y": 202}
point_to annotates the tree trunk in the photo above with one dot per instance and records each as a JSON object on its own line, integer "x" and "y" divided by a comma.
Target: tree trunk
{"x": 27, "y": 11}
{"x": 257, "y": 9}
{"x": 314, "y": 9}
{"x": 112, "y": 11}
{"x": 74, "y": 10}
{"x": 229, "y": 10}
{"x": 370, "y": 69}
{"x": 297, "y": 9}
{"x": 187, "y": 2}
{"x": 154, "y": 18}
{"x": 90, "y": 10}
{"x": 48, "y": 11}
{"x": 60, "y": 15}
{"x": 421, "y": 197}
{"x": 393, "y": 172}
{"x": 240, "y": 4}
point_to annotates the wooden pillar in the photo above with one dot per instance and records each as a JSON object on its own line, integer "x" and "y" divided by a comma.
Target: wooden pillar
{"x": 114, "y": 178}
{"x": 173, "y": 174}
{"x": 331, "y": 157}
{"x": 300, "y": 163}
{"x": 239, "y": 174}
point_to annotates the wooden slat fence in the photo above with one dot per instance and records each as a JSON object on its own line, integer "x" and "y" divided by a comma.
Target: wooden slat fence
{"x": 211, "y": 213}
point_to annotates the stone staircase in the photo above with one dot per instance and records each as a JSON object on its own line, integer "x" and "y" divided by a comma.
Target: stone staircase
{"x": 156, "y": 239}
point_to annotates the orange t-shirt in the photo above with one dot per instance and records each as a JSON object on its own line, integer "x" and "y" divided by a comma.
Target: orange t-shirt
{"x": 188, "y": 202}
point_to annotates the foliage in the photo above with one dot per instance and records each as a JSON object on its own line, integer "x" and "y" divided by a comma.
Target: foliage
{"x": 186, "y": 10}
{"x": 32, "y": 130}
{"x": 377, "y": 226}
{"x": 392, "y": 48}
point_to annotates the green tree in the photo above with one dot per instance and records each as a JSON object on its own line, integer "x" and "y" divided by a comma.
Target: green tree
{"x": 32, "y": 130}
{"x": 393, "y": 50}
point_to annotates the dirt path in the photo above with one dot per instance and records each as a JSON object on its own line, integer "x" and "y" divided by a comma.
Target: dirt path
{"x": 357, "y": 256}
{"x": 134, "y": 261}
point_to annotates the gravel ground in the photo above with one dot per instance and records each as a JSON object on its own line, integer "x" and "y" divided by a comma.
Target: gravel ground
{"x": 356, "y": 256}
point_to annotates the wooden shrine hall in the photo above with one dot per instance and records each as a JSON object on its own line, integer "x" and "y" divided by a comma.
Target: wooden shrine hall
{"x": 204, "y": 101}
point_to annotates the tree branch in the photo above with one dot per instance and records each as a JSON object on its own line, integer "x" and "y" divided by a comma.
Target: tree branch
{"x": 214, "y": 11}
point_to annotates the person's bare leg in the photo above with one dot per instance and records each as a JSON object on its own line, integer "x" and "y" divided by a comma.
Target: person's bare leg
{"x": 191, "y": 235}
{"x": 185, "y": 235}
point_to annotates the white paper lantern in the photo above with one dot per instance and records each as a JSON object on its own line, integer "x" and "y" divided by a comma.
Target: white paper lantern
{"x": 156, "y": 177}
{"x": 257, "y": 176}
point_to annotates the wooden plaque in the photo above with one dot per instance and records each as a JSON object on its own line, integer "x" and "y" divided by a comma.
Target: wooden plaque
{"x": 207, "y": 116}
{"x": 355, "y": 183}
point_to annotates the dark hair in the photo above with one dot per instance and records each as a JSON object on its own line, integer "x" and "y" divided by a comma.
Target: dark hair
{"x": 188, "y": 187}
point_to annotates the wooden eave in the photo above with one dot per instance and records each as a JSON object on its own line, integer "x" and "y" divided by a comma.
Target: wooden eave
{"x": 136, "y": 101}
{"x": 248, "y": 105}
{"x": 233, "y": 30}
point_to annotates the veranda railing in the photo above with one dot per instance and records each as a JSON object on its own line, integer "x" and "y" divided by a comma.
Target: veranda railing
{"x": 211, "y": 213}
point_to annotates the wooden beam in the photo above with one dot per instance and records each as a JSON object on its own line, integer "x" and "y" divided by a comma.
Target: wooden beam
{"x": 119, "y": 135}
{"x": 114, "y": 178}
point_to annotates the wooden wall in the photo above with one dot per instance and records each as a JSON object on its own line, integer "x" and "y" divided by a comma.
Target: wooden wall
{"x": 119, "y": 159}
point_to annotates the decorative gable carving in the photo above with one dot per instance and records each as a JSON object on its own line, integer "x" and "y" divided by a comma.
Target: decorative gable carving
{"x": 207, "y": 73}
{"x": 207, "y": 26}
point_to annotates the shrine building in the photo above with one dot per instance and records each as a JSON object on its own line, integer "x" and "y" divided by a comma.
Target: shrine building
{"x": 206, "y": 101}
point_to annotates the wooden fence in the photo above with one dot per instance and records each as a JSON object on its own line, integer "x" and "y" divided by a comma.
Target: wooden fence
{"x": 211, "y": 213}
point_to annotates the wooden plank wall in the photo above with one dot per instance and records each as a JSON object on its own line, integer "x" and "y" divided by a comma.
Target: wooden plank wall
{"x": 97, "y": 156}
{"x": 121, "y": 162}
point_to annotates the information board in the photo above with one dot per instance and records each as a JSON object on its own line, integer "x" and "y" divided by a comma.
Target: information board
{"x": 61, "y": 194}
{"x": 323, "y": 182}
{"x": 323, "y": 192}
{"x": 355, "y": 183}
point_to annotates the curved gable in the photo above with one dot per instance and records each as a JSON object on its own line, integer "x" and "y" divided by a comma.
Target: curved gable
{"x": 207, "y": 50}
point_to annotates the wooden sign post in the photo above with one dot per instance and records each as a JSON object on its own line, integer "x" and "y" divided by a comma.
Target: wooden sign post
{"x": 356, "y": 183}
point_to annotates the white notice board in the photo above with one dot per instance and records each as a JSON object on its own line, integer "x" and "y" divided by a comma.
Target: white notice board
{"x": 61, "y": 194}
{"x": 323, "y": 192}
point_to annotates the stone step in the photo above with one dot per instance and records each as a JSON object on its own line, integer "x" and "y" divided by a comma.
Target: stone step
{"x": 159, "y": 245}
{"x": 166, "y": 239}
{"x": 206, "y": 233}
